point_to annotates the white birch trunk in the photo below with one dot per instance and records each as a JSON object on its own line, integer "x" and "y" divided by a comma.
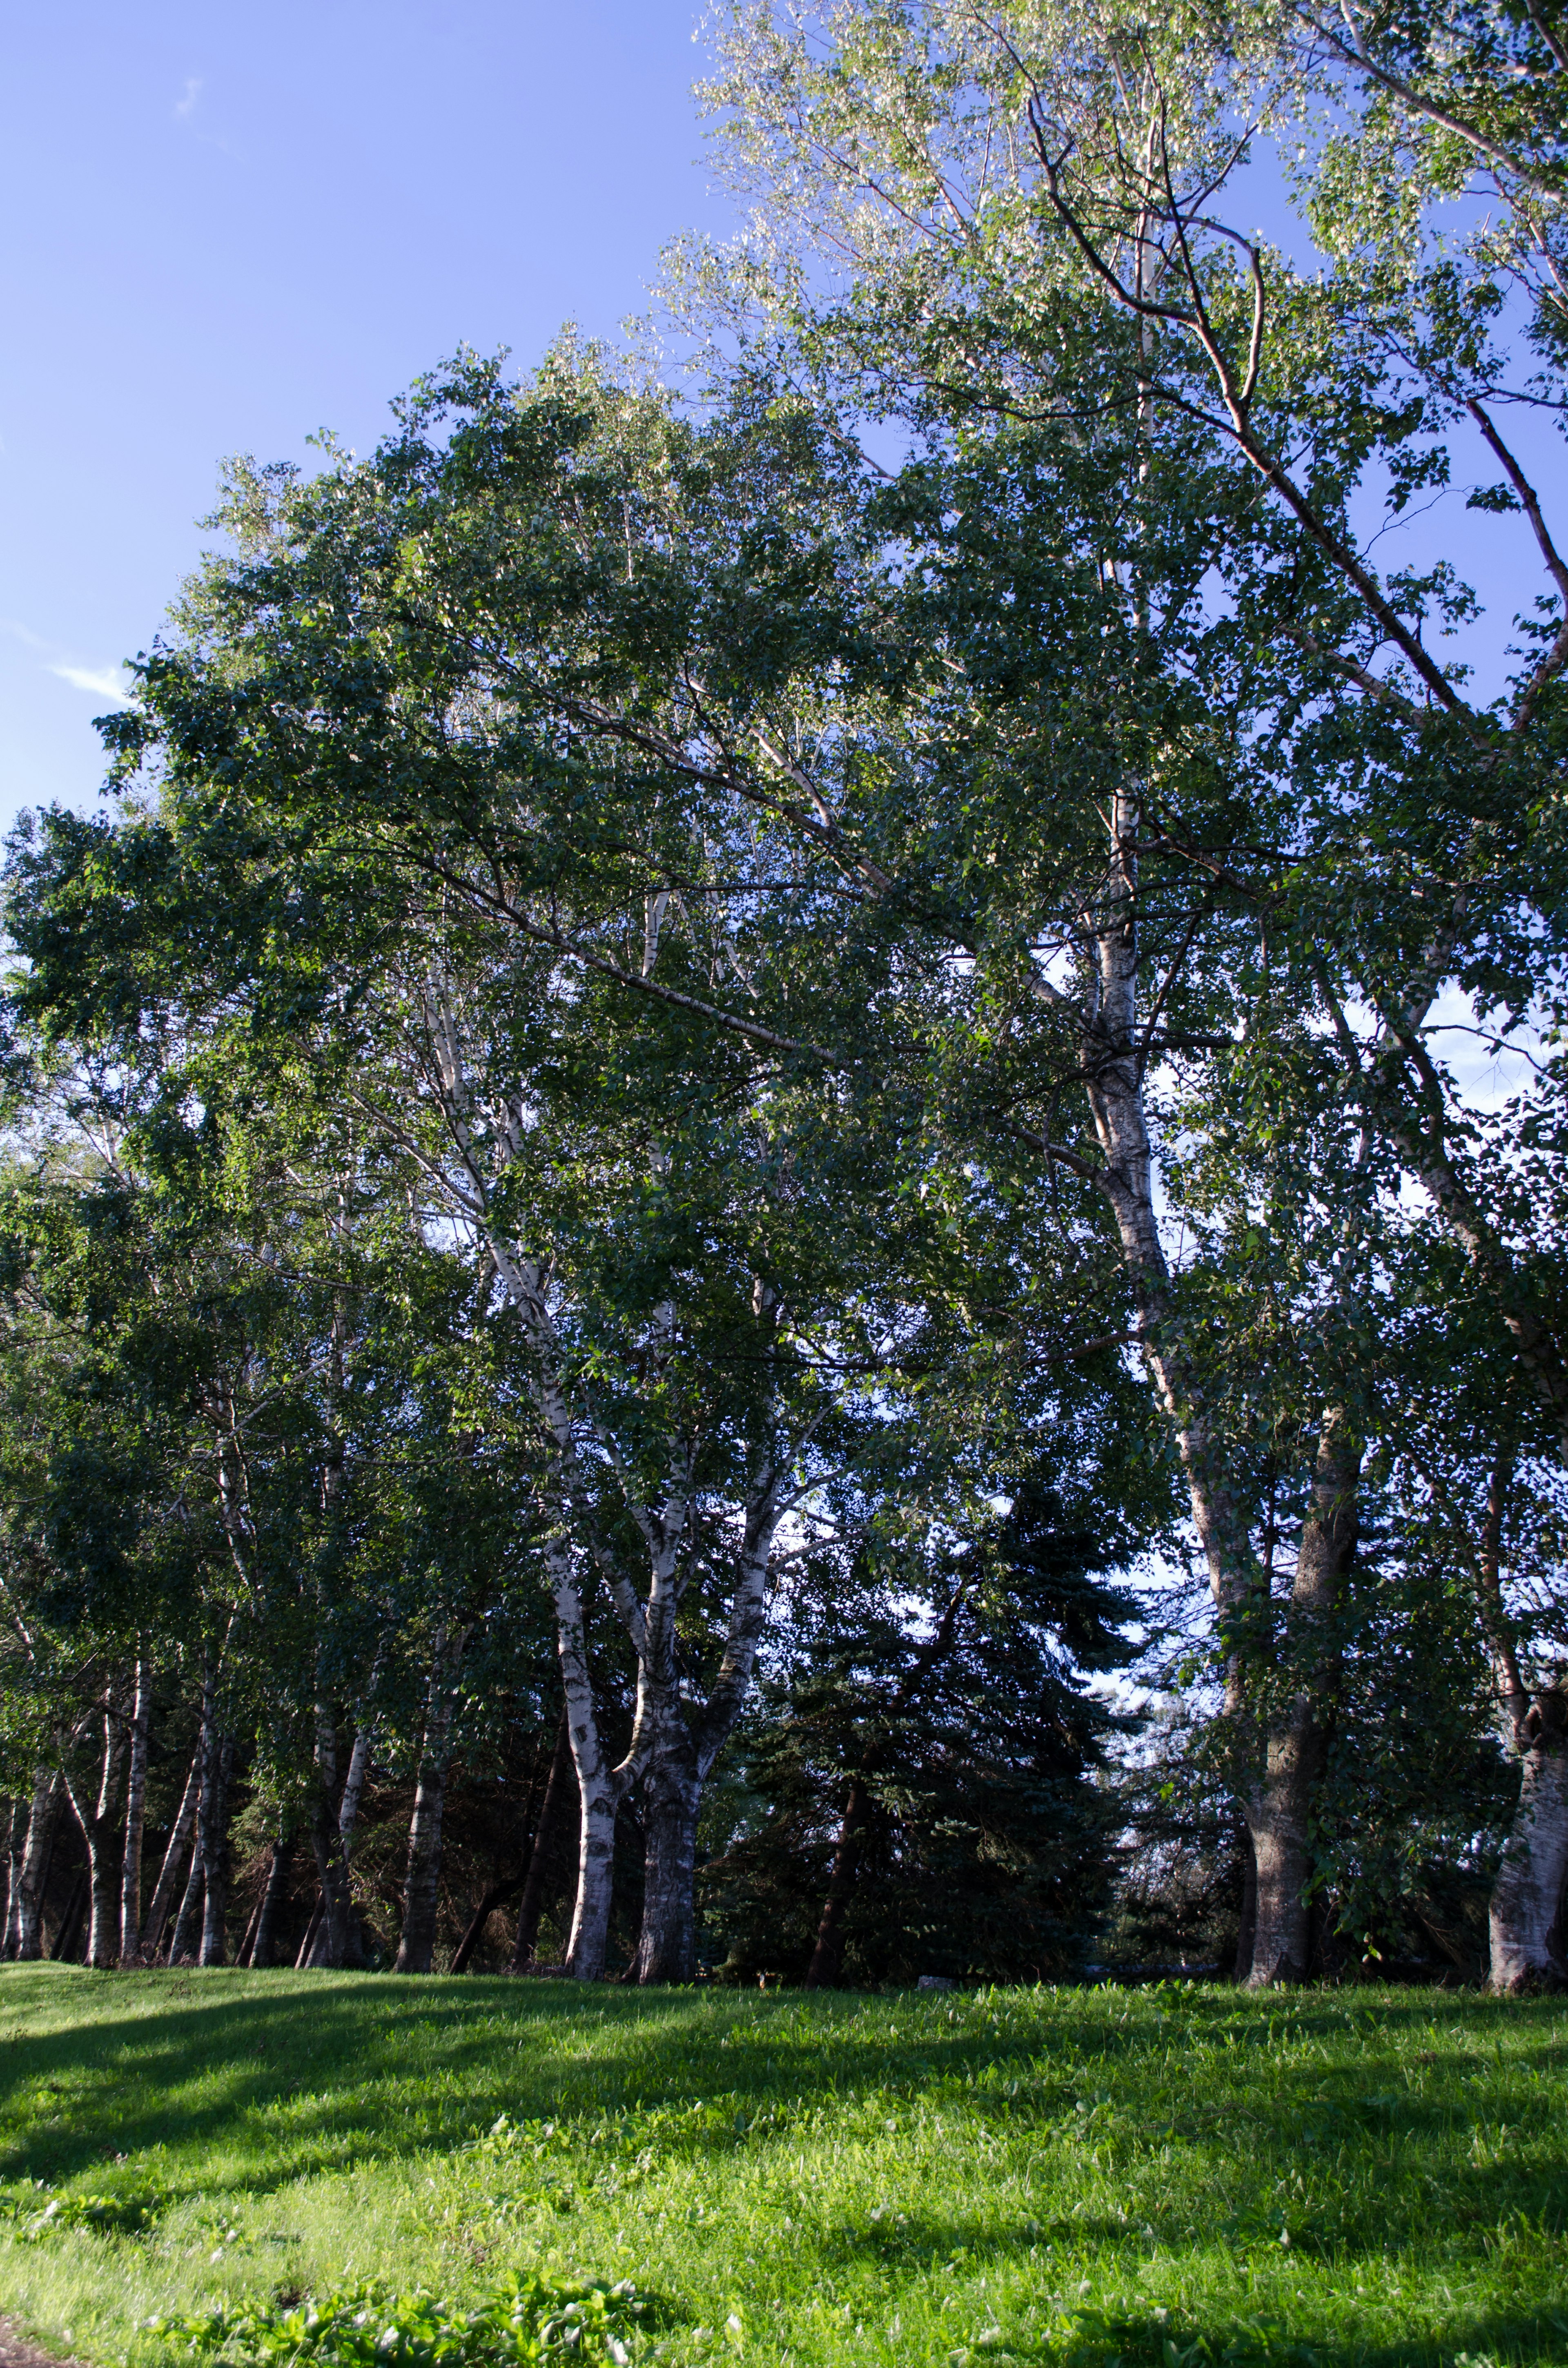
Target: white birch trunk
{"x": 135, "y": 1807}
{"x": 24, "y": 1929}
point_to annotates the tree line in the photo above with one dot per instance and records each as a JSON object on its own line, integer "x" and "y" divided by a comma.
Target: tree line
{"x": 734, "y": 1038}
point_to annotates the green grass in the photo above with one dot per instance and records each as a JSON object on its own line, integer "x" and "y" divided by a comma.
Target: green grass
{"x": 1028, "y": 2175}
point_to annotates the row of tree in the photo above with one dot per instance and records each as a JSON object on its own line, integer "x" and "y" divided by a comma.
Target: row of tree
{"x": 747, "y": 1024}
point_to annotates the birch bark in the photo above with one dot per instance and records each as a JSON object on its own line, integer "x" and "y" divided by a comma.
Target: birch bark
{"x": 135, "y": 1809}
{"x": 24, "y": 1930}
{"x": 96, "y": 1807}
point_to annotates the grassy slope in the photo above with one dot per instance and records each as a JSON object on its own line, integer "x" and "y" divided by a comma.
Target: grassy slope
{"x": 1037, "y": 2174}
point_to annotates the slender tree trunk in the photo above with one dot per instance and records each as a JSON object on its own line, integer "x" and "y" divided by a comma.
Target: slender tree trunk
{"x": 332, "y": 1947}
{"x": 417, "y": 1944}
{"x": 826, "y": 1967}
{"x": 348, "y": 1820}
{"x": 188, "y": 1922}
{"x": 337, "y": 1941}
{"x": 174, "y": 1855}
{"x": 95, "y": 1809}
{"x": 24, "y": 1931}
{"x": 554, "y": 1811}
{"x": 496, "y": 1897}
{"x": 16, "y": 1834}
{"x": 599, "y": 1786}
{"x": 308, "y": 1942}
{"x": 272, "y": 1900}
{"x": 135, "y": 1810}
{"x": 214, "y": 1828}
{"x": 248, "y": 1939}
{"x": 1281, "y": 1814}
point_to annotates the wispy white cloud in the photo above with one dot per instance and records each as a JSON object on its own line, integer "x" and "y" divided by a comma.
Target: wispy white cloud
{"x": 185, "y": 105}
{"x": 104, "y": 682}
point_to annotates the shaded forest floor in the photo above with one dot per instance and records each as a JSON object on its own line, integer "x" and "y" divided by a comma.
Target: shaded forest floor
{"x": 1169, "y": 2176}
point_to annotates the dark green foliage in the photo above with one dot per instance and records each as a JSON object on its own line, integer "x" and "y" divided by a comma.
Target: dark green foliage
{"x": 932, "y": 1702}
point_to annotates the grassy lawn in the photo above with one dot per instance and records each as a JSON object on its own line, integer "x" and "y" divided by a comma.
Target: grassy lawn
{"x": 1170, "y": 2177}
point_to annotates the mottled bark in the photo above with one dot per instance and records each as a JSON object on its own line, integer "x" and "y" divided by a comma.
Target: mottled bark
{"x": 417, "y": 1943}
{"x": 1247, "y": 1932}
{"x": 1279, "y": 1815}
{"x": 672, "y": 1791}
{"x": 1526, "y": 1920}
{"x": 95, "y": 1804}
{"x": 24, "y": 1925}
{"x": 135, "y": 1812}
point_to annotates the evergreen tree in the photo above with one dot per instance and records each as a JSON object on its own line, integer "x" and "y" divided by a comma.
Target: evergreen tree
{"x": 923, "y": 1775}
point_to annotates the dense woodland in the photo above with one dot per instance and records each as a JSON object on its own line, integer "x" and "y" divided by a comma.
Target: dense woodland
{"x": 784, "y": 1188}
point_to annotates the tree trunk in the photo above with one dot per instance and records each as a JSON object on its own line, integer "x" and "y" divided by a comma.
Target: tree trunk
{"x": 24, "y": 1926}
{"x": 1526, "y": 1935}
{"x": 672, "y": 1791}
{"x": 416, "y": 1945}
{"x": 272, "y": 1900}
{"x": 95, "y": 1808}
{"x": 1279, "y": 1815}
{"x": 1247, "y": 1934}
{"x": 552, "y": 1813}
{"x": 188, "y": 1922}
{"x": 496, "y": 1897}
{"x": 214, "y": 1824}
{"x": 173, "y": 1854}
{"x": 331, "y": 1944}
{"x": 338, "y": 1940}
{"x": 248, "y": 1939}
{"x": 589, "y": 1936}
{"x": 827, "y": 1958}
{"x": 308, "y": 1942}
{"x": 135, "y": 1809}
{"x": 16, "y": 1834}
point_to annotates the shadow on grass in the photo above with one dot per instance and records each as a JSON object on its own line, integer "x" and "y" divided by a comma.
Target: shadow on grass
{"x": 259, "y": 2079}
{"x": 1165, "y": 2343}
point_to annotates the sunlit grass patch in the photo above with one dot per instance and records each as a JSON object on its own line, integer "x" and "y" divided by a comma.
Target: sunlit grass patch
{"x": 1170, "y": 2176}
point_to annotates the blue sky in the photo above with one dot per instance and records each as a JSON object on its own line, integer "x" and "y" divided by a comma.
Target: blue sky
{"x": 230, "y": 225}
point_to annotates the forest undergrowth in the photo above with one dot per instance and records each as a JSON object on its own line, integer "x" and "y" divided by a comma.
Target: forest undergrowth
{"x": 264, "y": 2163}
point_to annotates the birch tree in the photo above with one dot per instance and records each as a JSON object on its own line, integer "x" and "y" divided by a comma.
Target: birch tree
{"x": 1039, "y": 222}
